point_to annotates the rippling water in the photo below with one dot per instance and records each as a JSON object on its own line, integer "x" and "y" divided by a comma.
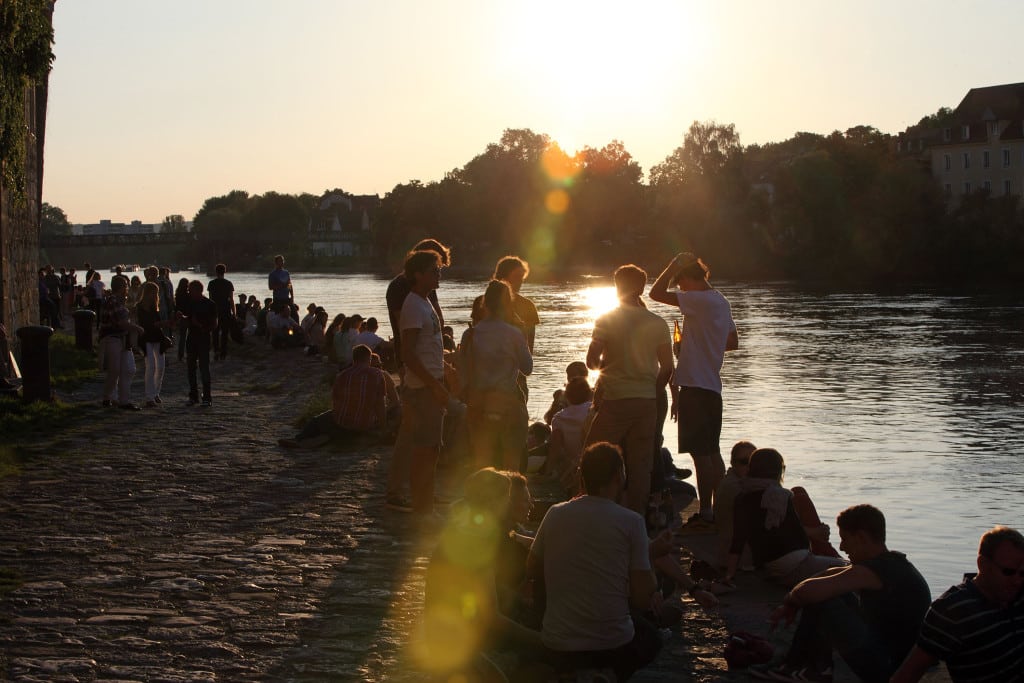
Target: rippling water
{"x": 912, "y": 402}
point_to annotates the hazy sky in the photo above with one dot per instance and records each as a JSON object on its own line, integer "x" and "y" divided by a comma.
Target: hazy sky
{"x": 155, "y": 106}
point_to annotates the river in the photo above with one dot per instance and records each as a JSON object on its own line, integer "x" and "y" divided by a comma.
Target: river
{"x": 910, "y": 401}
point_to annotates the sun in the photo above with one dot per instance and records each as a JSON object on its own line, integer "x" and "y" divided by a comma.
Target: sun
{"x": 600, "y": 300}
{"x": 578, "y": 61}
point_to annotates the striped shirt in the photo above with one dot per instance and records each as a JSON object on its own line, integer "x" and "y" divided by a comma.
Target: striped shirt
{"x": 358, "y": 397}
{"x": 979, "y": 641}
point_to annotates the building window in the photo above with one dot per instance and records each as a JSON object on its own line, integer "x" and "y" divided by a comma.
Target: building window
{"x": 948, "y": 189}
{"x": 987, "y": 185}
{"x": 985, "y": 160}
{"x": 1006, "y": 158}
{"x": 967, "y": 159}
{"x": 947, "y": 134}
{"x": 948, "y": 161}
{"x": 1007, "y": 187}
{"x": 993, "y": 128}
{"x": 966, "y": 132}
{"x": 967, "y": 188}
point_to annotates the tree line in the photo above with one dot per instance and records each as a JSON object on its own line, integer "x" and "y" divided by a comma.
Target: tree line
{"x": 844, "y": 207}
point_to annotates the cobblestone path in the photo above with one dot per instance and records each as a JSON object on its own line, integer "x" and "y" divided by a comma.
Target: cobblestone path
{"x": 182, "y": 544}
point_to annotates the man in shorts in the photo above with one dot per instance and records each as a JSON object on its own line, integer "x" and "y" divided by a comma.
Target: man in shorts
{"x": 708, "y": 332}
{"x": 424, "y": 396}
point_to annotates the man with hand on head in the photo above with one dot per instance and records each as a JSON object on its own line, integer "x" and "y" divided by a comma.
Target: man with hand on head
{"x": 708, "y": 332}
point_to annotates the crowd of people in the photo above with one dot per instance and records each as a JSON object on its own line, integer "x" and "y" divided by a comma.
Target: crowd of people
{"x": 589, "y": 588}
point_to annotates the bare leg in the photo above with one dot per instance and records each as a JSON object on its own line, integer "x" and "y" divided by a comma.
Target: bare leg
{"x": 709, "y": 470}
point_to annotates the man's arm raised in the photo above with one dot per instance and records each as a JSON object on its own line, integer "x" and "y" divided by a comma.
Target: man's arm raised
{"x": 659, "y": 290}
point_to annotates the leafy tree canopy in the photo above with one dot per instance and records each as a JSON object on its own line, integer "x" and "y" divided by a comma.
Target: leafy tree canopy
{"x": 53, "y": 222}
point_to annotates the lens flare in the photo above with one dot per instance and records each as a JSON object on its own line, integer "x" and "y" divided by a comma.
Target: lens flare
{"x": 558, "y": 165}
{"x": 557, "y": 201}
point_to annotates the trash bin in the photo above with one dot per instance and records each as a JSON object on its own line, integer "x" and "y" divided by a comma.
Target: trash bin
{"x": 35, "y": 362}
{"x": 84, "y": 322}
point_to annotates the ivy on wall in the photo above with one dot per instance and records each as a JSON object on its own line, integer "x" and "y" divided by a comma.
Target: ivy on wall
{"x": 26, "y": 34}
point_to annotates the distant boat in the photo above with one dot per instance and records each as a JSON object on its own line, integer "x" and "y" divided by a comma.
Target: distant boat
{"x": 127, "y": 268}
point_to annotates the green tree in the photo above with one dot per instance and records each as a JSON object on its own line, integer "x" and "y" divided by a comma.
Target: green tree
{"x": 275, "y": 223}
{"x": 25, "y": 57}
{"x": 707, "y": 149}
{"x": 53, "y": 222}
{"x": 173, "y": 223}
{"x": 217, "y": 227}
{"x": 608, "y": 205}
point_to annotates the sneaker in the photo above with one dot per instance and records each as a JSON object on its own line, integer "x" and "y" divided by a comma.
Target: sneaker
{"x": 129, "y": 406}
{"x": 399, "y": 504}
{"x": 771, "y": 672}
{"x": 193, "y": 402}
{"x": 808, "y": 675}
{"x": 605, "y": 675}
{"x": 157, "y": 400}
{"x": 106, "y": 404}
{"x": 697, "y": 524}
{"x": 152, "y": 404}
{"x": 206, "y": 403}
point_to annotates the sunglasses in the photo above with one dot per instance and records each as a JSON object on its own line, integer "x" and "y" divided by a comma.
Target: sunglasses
{"x": 1010, "y": 571}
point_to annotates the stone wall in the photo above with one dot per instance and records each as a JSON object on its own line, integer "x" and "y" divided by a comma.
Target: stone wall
{"x": 19, "y": 226}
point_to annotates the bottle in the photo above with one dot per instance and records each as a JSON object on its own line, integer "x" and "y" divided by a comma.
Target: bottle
{"x": 677, "y": 339}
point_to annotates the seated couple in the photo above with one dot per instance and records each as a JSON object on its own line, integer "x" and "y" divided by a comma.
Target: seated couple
{"x": 363, "y": 401}
{"x": 786, "y": 539}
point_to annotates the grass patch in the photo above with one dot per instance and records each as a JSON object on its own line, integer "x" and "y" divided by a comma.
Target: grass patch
{"x": 271, "y": 388}
{"x": 19, "y": 420}
{"x": 319, "y": 402}
{"x": 70, "y": 366}
{"x": 10, "y": 461}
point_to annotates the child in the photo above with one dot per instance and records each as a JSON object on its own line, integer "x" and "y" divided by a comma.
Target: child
{"x": 577, "y": 368}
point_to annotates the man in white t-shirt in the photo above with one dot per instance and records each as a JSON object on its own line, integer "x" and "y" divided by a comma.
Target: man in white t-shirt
{"x": 708, "y": 332}
{"x": 595, "y": 559}
{"x": 424, "y": 396}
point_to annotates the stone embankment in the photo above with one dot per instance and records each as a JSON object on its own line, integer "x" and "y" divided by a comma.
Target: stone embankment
{"x": 182, "y": 544}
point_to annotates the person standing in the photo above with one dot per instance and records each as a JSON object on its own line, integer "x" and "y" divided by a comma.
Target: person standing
{"x": 708, "y": 332}
{"x": 201, "y": 316}
{"x": 53, "y": 294}
{"x": 514, "y": 271}
{"x": 167, "y": 304}
{"x": 424, "y": 397}
{"x": 147, "y": 312}
{"x": 222, "y": 294}
{"x": 399, "y": 287}
{"x": 280, "y": 282}
{"x": 632, "y": 348}
{"x": 494, "y": 354}
{"x": 115, "y": 345}
{"x": 180, "y": 305}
